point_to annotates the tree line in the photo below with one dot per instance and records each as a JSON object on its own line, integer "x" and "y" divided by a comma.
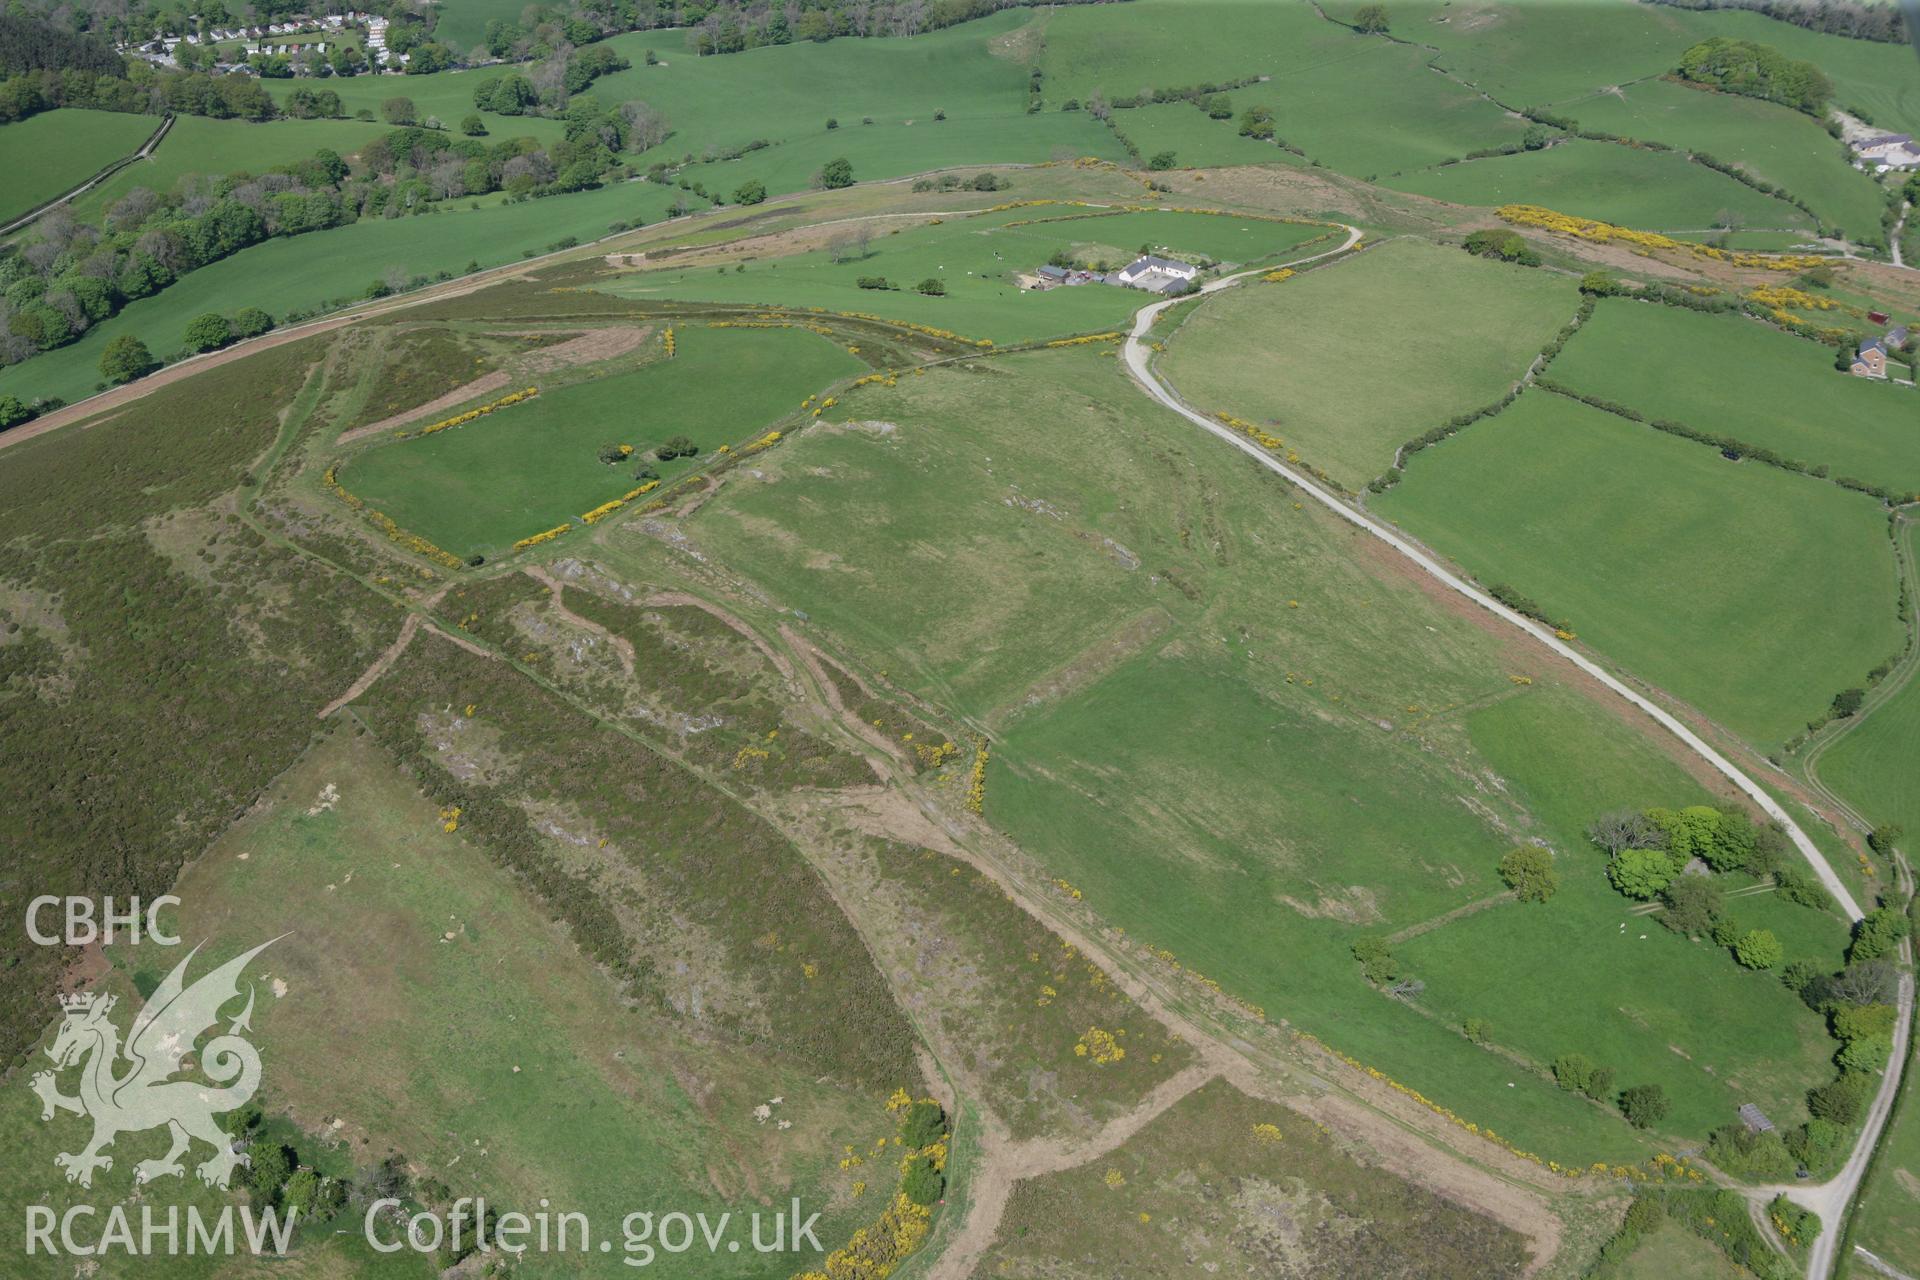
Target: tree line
{"x": 1879, "y": 22}
{"x": 70, "y": 276}
{"x": 1757, "y": 71}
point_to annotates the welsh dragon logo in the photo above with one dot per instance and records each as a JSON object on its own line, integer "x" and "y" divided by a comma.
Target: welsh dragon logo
{"x": 130, "y": 1088}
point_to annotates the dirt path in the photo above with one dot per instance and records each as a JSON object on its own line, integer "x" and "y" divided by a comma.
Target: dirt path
{"x": 813, "y": 658}
{"x": 378, "y": 669}
{"x": 480, "y": 386}
{"x": 1005, "y": 1164}
{"x": 1397, "y": 1136}
{"x": 1428, "y": 926}
{"x": 622, "y": 647}
{"x": 1879, "y": 1264}
{"x": 667, "y": 599}
{"x": 416, "y": 619}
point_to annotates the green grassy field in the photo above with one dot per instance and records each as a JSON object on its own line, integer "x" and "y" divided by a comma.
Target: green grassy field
{"x": 1647, "y": 543}
{"x": 482, "y": 486}
{"x": 1667, "y": 362}
{"x": 305, "y": 271}
{"x": 464, "y": 25}
{"x": 1655, "y": 190}
{"x": 48, "y": 153}
{"x": 478, "y": 488}
{"x": 215, "y": 148}
{"x": 1375, "y": 110}
{"x": 1610, "y": 997}
{"x": 1873, "y": 765}
{"x": 1202, "y": 713}
{"x": 1674, "y": 1253}
{"x": 445, "y": 94}
{"x": 1361, "y": 105}
{"x": 1530, "y": 55}
{"x": 977, "y": 258}
{"x": 1889, "y": 1217}
{"x": 1196, "y": 140}
{"x": 1228, "y": 1185}
{"x": 1874, "y": 77}
{"x": 1783, "y": 146}
{"x": 1172, "y": 44}
{"x": 482, "y": 1043}
{"x": 1316, "y": 360}
{"x": 785, "y": 94}
{"x": 895, "y": 148}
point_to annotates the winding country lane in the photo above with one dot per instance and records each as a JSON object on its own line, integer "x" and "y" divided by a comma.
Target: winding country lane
{"x": 1139, "y": 365}
{"x": 1830, "y": 1199}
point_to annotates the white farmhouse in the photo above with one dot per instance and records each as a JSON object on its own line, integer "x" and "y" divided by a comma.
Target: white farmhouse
{"x": 1155, "y": 274}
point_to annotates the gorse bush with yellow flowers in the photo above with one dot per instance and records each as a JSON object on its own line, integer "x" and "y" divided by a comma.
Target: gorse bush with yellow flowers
{"x": 1533, "y": 215}
{"x": 386, "y": 524}
{"x": 606, "y": 509}
{"x": 876, "y": 1251}
{"x": 977, "y": 779}
{"x": 472, "y": 415}
{"x": 547, "y": 535}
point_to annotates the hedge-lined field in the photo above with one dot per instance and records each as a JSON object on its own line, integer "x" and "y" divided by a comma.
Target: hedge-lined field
{"x": 783, "y": 95}
{"x": 1327, "y": 362}
{"x": 214, "y": 148}
{"x": 49, "y": 153}
{"x": 1774, "y": 143}
{"x": 1887, "y": 1223}
{"x": 1871, "y": 75}
{"x": 1529, "y": 55}
{"x": 1873, "y": 766}
{"x": 1704, "y": 576}
{"x": 321, "y": 266}
{"x": 478, "y": 488}
{"x": 1607, "y": 992}
{"x": 1359, "y": 104}
{"x": 1732, "y": 376}
{"x": 1195, "y": 138}
{"x": 1655, "y": 190}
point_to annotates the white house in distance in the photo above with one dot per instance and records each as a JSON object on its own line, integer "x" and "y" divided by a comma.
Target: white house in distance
{"x": 1155, "y": 274}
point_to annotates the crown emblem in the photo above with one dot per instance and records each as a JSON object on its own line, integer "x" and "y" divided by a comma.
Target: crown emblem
{"x": 78, "y": 1002}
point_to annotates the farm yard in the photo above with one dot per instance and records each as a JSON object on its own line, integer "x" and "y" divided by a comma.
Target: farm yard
{"x": 477, "y": 489}
{"x": 1294, "y": 357}
{"x": 976, "y": 259}
{"x": 1682, "y": 584}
